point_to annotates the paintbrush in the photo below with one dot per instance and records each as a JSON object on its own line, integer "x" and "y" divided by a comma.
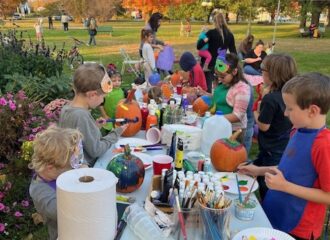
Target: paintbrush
{"x": 183, "y": 228}
{"x": 246, "y": 199}
{"x": 248, "y": 162}
{"x": 239, "y": 191}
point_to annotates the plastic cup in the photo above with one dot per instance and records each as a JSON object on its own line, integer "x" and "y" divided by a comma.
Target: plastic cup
{"x": 153, "y": 135}
{"x": 191, "y": 223}
{"x": 161, "y": 162}
{"x": 179, "y": 89}
{"x": 246, "y": 212}
{"x": 214, "y": 222}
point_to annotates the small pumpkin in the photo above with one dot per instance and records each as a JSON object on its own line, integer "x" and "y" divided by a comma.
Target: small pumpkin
{"x": 202, "y": 104}
{"x": 130, "y": 109}
{"x": 226, "y": 154}
{"x": 129, "y": 170}
{"x": 166, "y": 90}
{"x": 175, "y": 78}
{"x": 154, "y": 78}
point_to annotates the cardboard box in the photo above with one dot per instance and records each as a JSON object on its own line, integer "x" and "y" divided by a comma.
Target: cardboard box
{"x": 156, "y": 185}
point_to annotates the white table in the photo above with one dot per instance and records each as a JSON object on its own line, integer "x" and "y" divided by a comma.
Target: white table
{"x": 236, "y": 225}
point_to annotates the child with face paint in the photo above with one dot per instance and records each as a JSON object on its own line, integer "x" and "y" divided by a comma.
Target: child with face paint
{"x": 56, "y": 150}
{"x": 232, "y": 93}
{"x": 91, "y": 83}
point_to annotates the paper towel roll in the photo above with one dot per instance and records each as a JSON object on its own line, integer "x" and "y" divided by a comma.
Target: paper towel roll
{"x": 86, "y": 210}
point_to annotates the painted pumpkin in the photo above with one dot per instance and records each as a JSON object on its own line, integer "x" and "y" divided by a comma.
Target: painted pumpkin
{"x": 175, "y": 78}
{"x": 154, "y": 78}
{"x": 129, "y": 170}
{"x": 226, "y": 154}
{"x": 202, "y": 104}
{"x": 130, "y": 109}
{"x": 166, "y": 90}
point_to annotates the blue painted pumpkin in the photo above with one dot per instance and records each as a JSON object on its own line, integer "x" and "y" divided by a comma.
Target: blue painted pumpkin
{"x": 154, "y": 78}
{"x": 129, "y": 170}
{"x": 202, "y": 104}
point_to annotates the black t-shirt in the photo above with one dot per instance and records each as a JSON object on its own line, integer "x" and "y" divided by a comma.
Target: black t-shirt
{"x": 277, "y": 136}
{"x": 251, "y": 54}
{"x": 215, "y": 42}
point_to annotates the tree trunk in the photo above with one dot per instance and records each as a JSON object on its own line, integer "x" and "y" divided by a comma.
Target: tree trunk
{"x": 328, "y": 16}
{"x": 209, "y": 15}
{"x": 303, "y": 15}
{"x": 316, "y": 18}
{"x": 237, "y": 17}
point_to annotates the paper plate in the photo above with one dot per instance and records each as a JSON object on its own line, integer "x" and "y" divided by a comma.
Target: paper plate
{"x": 228, "y": 180}
{"x": 133, "y": 142}
{"x": 262, "y": 234}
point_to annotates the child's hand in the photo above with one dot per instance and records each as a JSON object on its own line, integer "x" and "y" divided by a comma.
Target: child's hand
{"x": 275, "y": 180}
{"x": 251, "y": 170}
{"x": 84, "y": 165}
{"x": 206, "y": 40}
{"x": 100, "y": 122}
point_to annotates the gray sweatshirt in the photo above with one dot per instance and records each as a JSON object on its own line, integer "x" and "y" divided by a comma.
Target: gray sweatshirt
{"x": 44, "y": 200}
{"x": 93, "y": 143}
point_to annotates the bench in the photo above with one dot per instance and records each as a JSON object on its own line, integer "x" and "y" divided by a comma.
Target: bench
{"x": 107, "y": 29}
{"x": 303, "y": 33}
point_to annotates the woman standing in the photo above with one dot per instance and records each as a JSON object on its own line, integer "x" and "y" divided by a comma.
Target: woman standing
{"x": 153, "y": 25}
{"x": 92, "y": 30}
{"x": 218, "y": 38}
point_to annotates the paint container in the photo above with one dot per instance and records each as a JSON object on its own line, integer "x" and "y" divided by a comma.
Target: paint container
{"x": 246, "y": 212}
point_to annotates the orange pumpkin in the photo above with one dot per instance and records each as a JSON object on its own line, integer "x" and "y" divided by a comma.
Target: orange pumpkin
{"x": 226, "y": 154}
{"x": 166, "y": 90}
{"x": 130, "y": 109}
{"x": 175, "y": 78}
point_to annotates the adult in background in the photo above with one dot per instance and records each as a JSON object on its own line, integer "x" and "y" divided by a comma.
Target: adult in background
{"x": 65, "y": 21}
{"x": 254, "y": 59}
{"x": 153, "y": 25}
{"x": 218, "y": 38}
{"x": 245, "y": 47}
{"x": 50, "y": 22}
{"x": 92, "y": 31}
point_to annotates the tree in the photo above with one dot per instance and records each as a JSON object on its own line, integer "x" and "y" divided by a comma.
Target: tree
{"x": 149, "y": 6}
{"x": 8, "y": 7}
{"x": 101, "y": 9}
{"x": 271, "y": 7}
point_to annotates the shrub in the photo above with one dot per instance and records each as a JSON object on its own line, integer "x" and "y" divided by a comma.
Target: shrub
{"x": 16, "y": 206}
{"x": 21, "y": 119}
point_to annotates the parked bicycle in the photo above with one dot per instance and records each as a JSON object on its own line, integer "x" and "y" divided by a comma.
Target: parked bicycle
{"x": 74, "y": 57}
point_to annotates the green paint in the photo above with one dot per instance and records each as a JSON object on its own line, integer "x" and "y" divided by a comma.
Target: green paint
{"x": 243, "y": 182}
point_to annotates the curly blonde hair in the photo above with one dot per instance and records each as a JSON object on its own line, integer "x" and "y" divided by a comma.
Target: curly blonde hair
{"x": 54, "y": 146}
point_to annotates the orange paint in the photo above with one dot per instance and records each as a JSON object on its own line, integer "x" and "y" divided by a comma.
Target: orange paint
{"x": 243, "y": 189}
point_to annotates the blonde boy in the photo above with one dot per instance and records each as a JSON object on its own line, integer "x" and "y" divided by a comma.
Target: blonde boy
{"x": 56, "y": 150}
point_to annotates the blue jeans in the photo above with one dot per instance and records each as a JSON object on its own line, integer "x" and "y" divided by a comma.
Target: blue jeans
{"x": 92, "y": 39}
{"x": 251, "y": 71}
{"x": 247, "y": 141}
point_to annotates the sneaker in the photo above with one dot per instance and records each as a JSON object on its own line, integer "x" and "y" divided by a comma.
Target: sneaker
{"x": 87, "y": 44}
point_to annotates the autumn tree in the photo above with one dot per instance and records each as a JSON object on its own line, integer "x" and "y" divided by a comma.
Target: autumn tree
{"x": 149, "y": 6}
{"x": 101, "y": 9}
{"x": 8, "y": 7}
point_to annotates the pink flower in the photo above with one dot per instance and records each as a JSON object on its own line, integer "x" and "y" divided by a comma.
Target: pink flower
{"x": 3, "y": 101}
{"x": 2, "y": 165}
{"x": 2, "y": 227}
{"x": 2, "y": 206}
{"x": 25, "y": 203}
{"x": 6, "y": 210}
{"x": 10, "y": 96}
{"x": 12, "y": 105}
{"x": 21, "y": 95}
{"x": 18, "y": 214}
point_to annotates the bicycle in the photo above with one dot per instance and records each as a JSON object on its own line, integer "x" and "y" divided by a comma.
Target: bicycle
{"x": 75, "y": 59}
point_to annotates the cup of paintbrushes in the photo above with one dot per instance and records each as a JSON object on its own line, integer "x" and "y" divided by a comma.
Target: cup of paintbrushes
{"x": 190, "y": 217}
{"x": 214, "y": 216}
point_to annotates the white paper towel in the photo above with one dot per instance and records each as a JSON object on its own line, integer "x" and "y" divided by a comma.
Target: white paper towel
{"x": 86, "y": 210}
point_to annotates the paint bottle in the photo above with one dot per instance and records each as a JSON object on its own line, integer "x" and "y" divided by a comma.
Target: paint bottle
{"x": 144, "y": 114}
{"x": 179, "y": 156}
{"x": 207, "y": 165}
{"x": 161, "y": 114}
{"x": 151, "y": 119}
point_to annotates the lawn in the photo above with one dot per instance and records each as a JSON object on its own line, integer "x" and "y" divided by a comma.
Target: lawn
{"x": 310, "y": 54}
